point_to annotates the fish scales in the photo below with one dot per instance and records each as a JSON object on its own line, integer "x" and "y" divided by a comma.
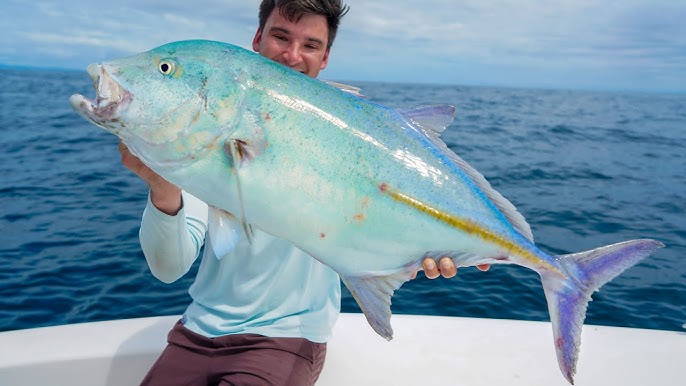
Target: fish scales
{"x": 367, "y": 190}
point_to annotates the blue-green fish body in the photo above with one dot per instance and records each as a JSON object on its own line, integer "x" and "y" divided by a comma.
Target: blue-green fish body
{"x": 365, "y": 189}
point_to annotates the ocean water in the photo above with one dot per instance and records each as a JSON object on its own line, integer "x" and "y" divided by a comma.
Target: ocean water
{"x": 585, "y": 168}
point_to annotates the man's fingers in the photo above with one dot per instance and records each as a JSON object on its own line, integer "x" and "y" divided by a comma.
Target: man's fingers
{"x": 448, "y": 269}
{"x": 134, "y": 164}
{"x": 430, "y": 269}
{"x": 126, "y": 157}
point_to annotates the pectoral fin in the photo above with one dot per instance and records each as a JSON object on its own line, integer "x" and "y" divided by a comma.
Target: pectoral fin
{"x": 373, "y": 294}
{"x": 240, "y": 153}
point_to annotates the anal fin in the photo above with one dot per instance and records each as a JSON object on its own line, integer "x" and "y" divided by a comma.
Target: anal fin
{"x": 373, "y": 294}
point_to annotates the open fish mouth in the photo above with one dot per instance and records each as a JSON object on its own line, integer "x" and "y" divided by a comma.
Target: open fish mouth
{"x": 111, "y": 98}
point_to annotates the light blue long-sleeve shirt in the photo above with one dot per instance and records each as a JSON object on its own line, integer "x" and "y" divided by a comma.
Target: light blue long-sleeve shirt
{"x": 269, "y": 287}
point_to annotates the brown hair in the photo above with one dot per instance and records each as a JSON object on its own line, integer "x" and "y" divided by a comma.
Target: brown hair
{"x": 293, "y": 10}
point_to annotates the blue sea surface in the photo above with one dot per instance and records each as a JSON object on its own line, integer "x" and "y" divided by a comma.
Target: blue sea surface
{"x": 585, "y": 168}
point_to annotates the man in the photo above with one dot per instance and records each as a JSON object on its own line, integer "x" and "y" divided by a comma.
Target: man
{"x": 261, "y": 314}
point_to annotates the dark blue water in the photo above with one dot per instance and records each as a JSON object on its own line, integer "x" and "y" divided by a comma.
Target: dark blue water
{"x": 585, "y": 168}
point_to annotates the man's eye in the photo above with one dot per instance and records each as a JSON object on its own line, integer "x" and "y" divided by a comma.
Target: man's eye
{"x": 280, "y": 37}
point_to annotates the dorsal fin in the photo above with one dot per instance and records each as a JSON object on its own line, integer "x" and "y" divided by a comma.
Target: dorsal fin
{"x": 431, "y": 121}
{"x": 435, "y": 117}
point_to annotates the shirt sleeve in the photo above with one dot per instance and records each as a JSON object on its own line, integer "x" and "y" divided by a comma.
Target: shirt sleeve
{"x": 172, "y": 243}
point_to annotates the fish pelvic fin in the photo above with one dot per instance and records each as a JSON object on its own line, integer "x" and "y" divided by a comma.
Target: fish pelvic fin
{"x": 224, "y": 230}
{"x": 373, "y": 293}
{"x": 568, "y": 297}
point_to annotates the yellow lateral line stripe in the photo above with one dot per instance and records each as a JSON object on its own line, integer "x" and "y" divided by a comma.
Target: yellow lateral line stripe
{"x": 469, "y": 227}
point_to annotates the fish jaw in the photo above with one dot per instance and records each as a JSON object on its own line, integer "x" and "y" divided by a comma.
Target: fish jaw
{"x": 111, "y": 99}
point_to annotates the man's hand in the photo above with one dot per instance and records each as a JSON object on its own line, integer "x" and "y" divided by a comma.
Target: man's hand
{"x": 165, "y": 196}
{"x": 445, "y": 268}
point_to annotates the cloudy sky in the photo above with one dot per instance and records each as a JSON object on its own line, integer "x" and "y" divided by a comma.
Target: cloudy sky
{"x": 579, "y": 44}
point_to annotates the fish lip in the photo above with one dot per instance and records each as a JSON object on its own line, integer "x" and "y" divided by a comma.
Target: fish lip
{"x": 110, "y": 97}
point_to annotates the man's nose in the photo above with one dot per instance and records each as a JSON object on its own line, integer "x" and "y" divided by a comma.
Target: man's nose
{"x": 292, "y": 55}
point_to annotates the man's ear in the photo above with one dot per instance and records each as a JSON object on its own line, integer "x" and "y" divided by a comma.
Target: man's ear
{"x": 256, "y": 40}
{"x": 325, "y": 61}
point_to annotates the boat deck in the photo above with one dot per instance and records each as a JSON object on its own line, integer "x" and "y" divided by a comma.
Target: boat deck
{"x": 426, "y": 350}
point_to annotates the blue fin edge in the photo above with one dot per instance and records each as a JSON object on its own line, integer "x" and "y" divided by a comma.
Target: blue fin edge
{"x": 568, "y": 297}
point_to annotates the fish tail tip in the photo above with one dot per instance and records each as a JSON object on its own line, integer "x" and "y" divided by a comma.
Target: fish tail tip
{"x": 384, "y": 332}
{"x": 649, "y": 243}
{"x": 569, "y": 376}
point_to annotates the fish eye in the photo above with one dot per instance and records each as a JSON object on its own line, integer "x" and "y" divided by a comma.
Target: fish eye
{"x": 166, "y": 67}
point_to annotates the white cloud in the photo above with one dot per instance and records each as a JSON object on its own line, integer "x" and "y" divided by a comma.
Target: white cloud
{"x": 82, "y": 39}
{"x": 433, "y": 40}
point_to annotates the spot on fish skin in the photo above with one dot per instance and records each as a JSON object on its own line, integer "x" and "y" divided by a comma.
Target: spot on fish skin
{"x": 360, "y": 217}
{"x": 322, "y": 235}
{"x": 383, "y": 188}
{"x": 267, "y": 117}
{"x": 365, "y": 202}
{"x": 559, "y": 342}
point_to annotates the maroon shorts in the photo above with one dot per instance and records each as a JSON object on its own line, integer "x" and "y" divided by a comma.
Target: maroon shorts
{"x": 244, "y": 359}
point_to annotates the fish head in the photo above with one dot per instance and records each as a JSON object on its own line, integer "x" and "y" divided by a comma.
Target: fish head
{"x": 166, "y": 104}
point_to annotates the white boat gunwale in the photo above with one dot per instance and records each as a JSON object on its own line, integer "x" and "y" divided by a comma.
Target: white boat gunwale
{"x": 431, "y": 350}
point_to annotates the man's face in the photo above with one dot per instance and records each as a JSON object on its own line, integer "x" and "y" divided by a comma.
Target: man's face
{"x": 301, "y": 46}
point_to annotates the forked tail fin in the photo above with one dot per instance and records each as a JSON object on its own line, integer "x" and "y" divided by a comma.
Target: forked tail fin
{"x": 568, "y": 298}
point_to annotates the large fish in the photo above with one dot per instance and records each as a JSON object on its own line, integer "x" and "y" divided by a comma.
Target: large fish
{"x": 365, "y": 189}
